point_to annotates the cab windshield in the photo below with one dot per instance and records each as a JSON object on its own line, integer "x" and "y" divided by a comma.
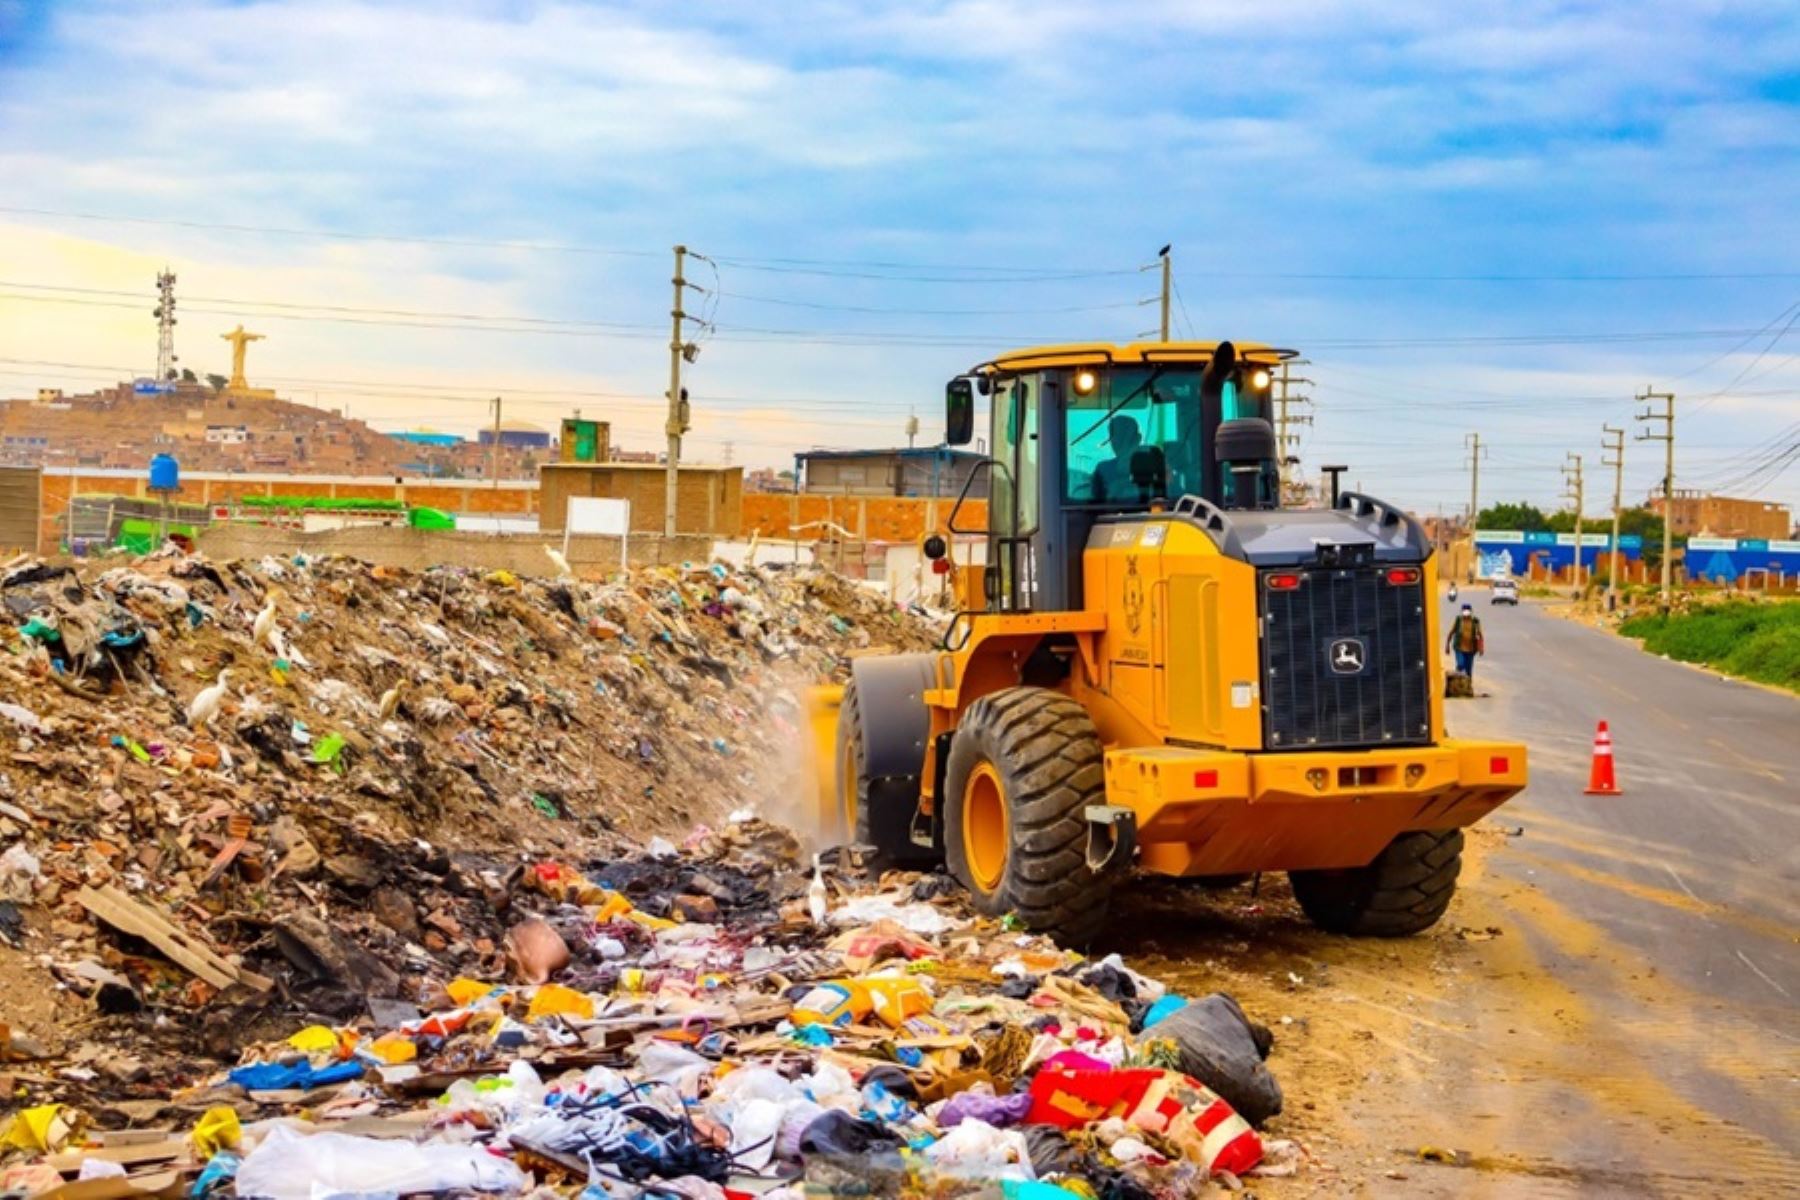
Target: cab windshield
{"x": 1149, "y": 416}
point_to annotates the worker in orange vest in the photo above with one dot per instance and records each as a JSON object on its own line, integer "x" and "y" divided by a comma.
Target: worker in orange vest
{"x": 1465, "y": 641}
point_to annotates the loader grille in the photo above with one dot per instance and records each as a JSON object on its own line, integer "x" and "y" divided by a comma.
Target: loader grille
{"x": 1344, "y": 660}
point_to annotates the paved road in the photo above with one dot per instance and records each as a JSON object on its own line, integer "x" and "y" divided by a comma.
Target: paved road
{"x": 1635, "y": 1027}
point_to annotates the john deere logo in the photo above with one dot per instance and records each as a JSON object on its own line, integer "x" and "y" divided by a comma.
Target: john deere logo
{"x": 1134, "y": 596}
{"x": 1347, "y": 656}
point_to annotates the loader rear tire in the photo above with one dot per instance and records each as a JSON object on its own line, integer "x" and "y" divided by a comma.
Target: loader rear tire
{"x": 1024, "y": 766}
{"x": 1404, "y": 891}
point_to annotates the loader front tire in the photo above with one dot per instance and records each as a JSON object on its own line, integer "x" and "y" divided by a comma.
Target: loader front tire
{"x": 1404, "y": 891}
{"x": 1024, "y": 766}
{"x": 862, "y": 818}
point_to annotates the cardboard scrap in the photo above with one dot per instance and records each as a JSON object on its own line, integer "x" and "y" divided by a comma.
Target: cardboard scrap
{"x": 124, "y": 1187}
{"x": 125, "y": 914}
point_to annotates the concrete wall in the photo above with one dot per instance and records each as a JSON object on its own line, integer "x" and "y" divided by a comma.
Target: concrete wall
{"x": 418, "y": 549}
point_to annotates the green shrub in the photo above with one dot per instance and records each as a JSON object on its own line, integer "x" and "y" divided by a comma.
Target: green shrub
{"x": 1759, "y": 641}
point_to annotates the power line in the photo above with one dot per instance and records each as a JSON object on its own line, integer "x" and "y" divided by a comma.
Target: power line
{"x": 1761, "y": 354}
{"x": 823, "y": 337}
{"x": 1186, "y": 320}
{"x": 430, "y": 314}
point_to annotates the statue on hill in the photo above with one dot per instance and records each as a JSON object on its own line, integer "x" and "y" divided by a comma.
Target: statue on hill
{"x": 239, "y": 340}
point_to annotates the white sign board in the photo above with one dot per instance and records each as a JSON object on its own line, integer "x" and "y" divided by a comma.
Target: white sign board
{"x": 598, "y": 515}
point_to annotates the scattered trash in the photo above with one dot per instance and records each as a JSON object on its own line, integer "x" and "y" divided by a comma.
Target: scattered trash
{"x": 523, "y": 930}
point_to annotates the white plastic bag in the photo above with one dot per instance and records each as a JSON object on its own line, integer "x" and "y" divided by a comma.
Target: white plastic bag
{"x": 754, "y": 1129}
{"x": 922, "y": 919}
{"x": 289, "y": 1165}
{"x": 975, "y": 1149}
{"x": 19, "y": 872}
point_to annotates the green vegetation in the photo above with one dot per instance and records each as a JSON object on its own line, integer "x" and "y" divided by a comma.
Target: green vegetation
{"x": 322, "y": 503}
{"x": 1759, "y": 641}
{"x": 1532, "y": 519}
{"x": 1528, "y": 517}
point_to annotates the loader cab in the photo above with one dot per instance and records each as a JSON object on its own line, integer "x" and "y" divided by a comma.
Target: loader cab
{"x": 1080, "y": 434}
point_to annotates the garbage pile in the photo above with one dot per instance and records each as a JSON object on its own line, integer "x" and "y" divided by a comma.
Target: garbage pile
{"x": 449, "y": 701}
{"x": 318, "y": 878}
{"x": 707, "y": 1021}
{"x": 313, "y": 777}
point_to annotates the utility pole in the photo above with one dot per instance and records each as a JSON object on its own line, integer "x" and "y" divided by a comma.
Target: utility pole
{"x": 1473, "y": 443}
{"x": 678, "y": 409}
{"x": 1574, "y": 474}
{"x": 1667, "y": 437}
{"x": 165, "y": 326}
{"x": 1168, "y": 281}
{"x": 1614, "y": 443}
{"x": 494, "y": 450}
{"x": 1283, "y": 400}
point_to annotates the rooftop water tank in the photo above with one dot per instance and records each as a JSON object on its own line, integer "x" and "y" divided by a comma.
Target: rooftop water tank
{"x": 165, "y": 474}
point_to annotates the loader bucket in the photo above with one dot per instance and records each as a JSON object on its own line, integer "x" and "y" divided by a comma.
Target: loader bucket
{"x": 822, "y": 704}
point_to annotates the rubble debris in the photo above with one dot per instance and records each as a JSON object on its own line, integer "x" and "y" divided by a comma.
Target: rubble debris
{"x": 445, "y": 896}
{"x": 756, "y": 1052}
{"x": 125, "y": 914}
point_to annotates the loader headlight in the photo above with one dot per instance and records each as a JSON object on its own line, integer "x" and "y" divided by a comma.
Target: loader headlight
{"x": 1259, "y": 379}
{"x": 1086, "y": 382}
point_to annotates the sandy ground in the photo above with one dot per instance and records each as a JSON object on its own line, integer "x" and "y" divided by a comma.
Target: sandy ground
{"x": 1609, "y": 1006}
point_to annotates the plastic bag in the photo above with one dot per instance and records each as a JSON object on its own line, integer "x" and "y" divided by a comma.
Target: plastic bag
{"x": 216, "y": 1130}
{"x": 975, "y": 1148}
{"x": 288, "y": 1165}
{"x": 1224, "y": 1049}
{"x": 669, "y": 1063}
{"x": 19, "y": 872}
{"x": 981, "y": 1104}
{"x": 753, "y": 1132}
{"x": 555, "y": 1000}
{"x": 916, "y": 918}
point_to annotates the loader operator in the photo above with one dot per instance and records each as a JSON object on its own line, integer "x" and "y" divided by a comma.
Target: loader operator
{"x": 1112, "y": 478}
{"x": 1466, "y": 642}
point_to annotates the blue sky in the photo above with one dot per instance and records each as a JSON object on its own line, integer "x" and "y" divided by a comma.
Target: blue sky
{"x": 1418, "y": 196}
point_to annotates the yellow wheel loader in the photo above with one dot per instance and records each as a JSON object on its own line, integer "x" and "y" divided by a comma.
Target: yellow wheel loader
{"x": 1160, "y": 666}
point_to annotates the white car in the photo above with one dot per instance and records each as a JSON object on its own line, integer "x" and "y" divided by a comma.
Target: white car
{"x": 1506, "y": 591}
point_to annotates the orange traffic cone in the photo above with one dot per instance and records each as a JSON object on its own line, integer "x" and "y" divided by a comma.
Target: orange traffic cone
{"x": 1601, "y": 781}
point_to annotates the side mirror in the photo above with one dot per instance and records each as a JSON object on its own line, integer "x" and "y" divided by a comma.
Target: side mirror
{"x": 959, "y": 412}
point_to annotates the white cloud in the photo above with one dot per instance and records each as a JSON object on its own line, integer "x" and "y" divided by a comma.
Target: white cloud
{"x": 1299, "y": 135}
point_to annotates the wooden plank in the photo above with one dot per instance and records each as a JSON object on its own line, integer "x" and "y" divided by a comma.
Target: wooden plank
{"x": 125, "y": 914}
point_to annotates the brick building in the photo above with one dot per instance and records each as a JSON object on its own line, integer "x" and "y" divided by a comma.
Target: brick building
{"x": 1696, "y": 512}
